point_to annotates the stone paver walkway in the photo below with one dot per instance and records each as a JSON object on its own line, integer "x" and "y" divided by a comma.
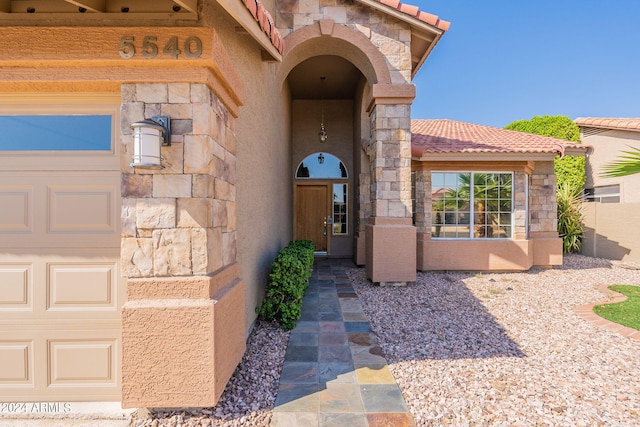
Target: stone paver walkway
{"x": 334, "y": 372}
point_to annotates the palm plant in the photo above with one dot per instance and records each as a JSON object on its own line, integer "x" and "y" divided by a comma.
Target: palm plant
{"x": 627, "y": 164}
{"x": 570, "y": 226}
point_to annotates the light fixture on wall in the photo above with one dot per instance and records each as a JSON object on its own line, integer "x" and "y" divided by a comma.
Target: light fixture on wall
{"x": 149, "y": 135}
{"x": 320, "y": 158}
{"x": 322, "y": 134}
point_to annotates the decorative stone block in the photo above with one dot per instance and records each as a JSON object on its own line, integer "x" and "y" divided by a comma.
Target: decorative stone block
{"x": 172, "y": 252}
{"x": 203, "y": 186}
{"x": 171, "y": 186}
{"x": 180, "y": 93}
{"x": 197, "y": 158}
{"x": 200, "y": 93}
{"x": 136, "y": 185}
{"x": 128, "y": 218}
{"x": 136, "y": 257}
{"x": 152, "y": 93}
{"x": 194, "y": 213}
{"x": 156, "y": 213}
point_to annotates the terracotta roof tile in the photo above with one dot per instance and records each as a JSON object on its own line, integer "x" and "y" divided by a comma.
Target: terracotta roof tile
{"x": 609, "y": 123}
{"x": 448, "y": 136}
{"x": 415, "y": 12}
{"x": 266, "y": 22}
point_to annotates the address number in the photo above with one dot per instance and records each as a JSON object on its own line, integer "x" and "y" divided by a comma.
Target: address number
{"x": 191, "y": 47}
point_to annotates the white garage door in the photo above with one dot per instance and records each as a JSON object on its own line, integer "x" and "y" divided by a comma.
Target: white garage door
{"x": 60, "y": 285}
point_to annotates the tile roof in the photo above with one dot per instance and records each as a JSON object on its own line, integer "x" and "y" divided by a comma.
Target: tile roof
{"x": 266, "y": 22}
{"x": 415, "y": 12}
{"x": 449, "y": 136}
{"x": 609, "y": 123}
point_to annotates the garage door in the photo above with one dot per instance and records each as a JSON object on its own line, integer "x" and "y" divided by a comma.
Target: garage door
{"x": 60, "y": 285}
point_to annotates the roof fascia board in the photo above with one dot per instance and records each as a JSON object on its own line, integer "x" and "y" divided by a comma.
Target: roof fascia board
{"x": 242, "y": 16}
{"x": 607, "y": 127}
{"x": 415, "y": 22}
{"x": 425, "y": 55}
{"x": 485, "y": 157}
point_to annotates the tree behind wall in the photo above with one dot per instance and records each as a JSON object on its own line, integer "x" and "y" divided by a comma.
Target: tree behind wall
{"x": 569, "y": 170}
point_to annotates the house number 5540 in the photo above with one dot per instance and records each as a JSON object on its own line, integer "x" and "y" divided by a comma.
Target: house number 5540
{"x": 192, "y": 47}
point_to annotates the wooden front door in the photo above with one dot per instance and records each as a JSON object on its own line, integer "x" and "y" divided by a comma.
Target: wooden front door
{"x": 312, "y": 210}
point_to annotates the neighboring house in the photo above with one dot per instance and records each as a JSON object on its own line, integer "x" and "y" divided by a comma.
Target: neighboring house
{"x": 126, "y": 283}
{"x": 485, "y": 197}
{"x": 612, "y": 207}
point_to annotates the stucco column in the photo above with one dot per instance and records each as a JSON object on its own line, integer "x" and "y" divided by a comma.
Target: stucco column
{"x": 183, "y": 330}
{"x": 390, "y": 235}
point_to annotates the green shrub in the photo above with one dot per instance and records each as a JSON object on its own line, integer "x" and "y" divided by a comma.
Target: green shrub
{"x": 288, "y": 282}
{"x": 570, "y": 226}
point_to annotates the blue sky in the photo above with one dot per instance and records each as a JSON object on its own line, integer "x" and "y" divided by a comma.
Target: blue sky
{"x": 506, "y": 60}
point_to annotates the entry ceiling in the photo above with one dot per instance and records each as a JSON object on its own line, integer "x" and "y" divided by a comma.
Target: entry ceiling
{"x": 341, "y": 78}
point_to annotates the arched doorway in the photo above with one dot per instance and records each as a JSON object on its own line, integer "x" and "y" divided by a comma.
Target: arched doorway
{"x": 321, "y": 201}
{"x": 326, "y": 92}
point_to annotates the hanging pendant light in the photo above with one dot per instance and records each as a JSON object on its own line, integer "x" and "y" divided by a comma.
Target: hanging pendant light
{"x": 323, "y": 133}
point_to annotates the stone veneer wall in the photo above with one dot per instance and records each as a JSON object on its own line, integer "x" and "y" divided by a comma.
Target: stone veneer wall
{"x": 183, "y": 325}
{"x": 542, "y": 195}
{"x": 179, "y": 221}
{"x": 391, "y": 165}
{"x": 391, "y": 36}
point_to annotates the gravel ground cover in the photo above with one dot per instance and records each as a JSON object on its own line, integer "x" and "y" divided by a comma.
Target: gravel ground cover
{"x": 507, "y": 349}
{"x": 470, "y": 350}
{"x": 250, "y": 394}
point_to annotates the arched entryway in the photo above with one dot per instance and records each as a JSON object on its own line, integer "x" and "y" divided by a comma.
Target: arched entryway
{"x": 341, "y": 84}
{"x": 326, "y": 92}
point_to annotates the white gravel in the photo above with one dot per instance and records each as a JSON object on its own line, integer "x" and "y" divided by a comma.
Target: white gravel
{"x": 507, "y": 349}
{"x": 250, "y": 394}
{"x": 471, "y": 350}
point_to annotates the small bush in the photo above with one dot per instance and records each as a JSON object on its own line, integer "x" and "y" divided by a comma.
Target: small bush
{"x": 288, "y": 282}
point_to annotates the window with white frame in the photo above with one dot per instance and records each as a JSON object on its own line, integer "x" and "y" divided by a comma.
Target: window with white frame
{"x": 472, "y": 205}
{"x": 603, "y": 194}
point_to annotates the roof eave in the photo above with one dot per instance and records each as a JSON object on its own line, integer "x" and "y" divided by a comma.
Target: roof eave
{"x": 242, "y": 16}
{"x": 578, "y": 151}
{"x": 424, "y": 56}
{"x": 609, "y": 127}
{"x": 484, "y": 157}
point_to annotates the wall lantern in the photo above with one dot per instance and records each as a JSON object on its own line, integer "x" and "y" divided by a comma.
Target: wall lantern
{"x": 149, "y": 135}
{"x": 321, "y": 158}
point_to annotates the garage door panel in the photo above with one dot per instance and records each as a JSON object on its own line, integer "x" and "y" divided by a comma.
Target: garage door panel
{"x": 82, "y": 208}
{"x": 16, "y": 215}
{"x": 82, "y": 362}
{"x": 16, "y": 288}
{"x": 16, "y": 363}
{"x": 60, "y": 209}
{"x": 82, "y": 286}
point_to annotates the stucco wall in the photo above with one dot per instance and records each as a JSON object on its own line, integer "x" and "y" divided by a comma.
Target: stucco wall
{"x": 612, "y": 231}
{"x": 263, "y": 192}
{"x": 607, "y": 147}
